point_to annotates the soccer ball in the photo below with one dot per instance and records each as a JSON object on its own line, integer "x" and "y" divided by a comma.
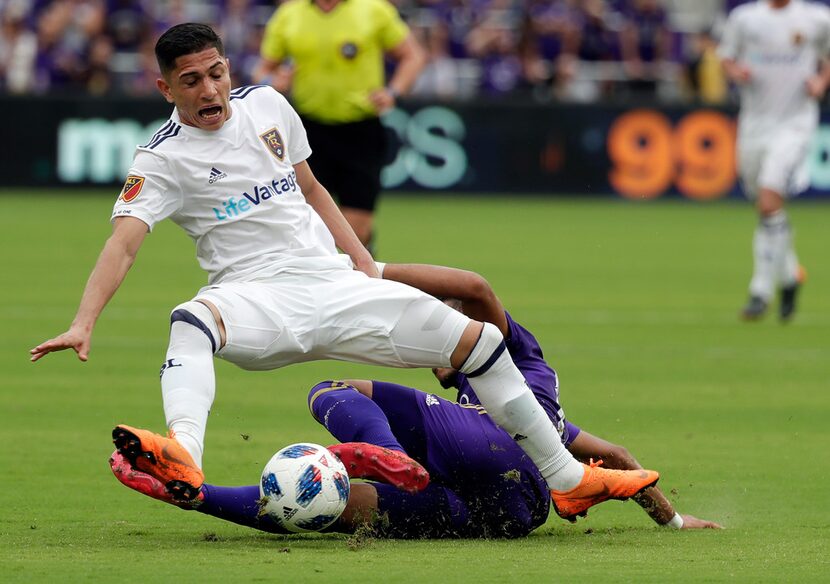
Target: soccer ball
{"x": 304, "y": 487}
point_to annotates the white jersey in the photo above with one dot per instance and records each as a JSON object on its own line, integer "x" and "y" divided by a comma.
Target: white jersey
{"x": 234, "y": 191}
{"x": 782, "y": 48}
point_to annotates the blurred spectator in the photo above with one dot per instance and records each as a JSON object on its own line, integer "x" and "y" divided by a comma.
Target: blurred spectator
{"x": 494, "y": 41}
{"x": 553, "y": 36}
{"x": 144, "y": 81}
{"x": 65, "y": 28}
{"x": 241, "y": 24}
{"x": 99, "y": 74}
{"x": 128, "y": 24}
{"x": 18, "y": 49}
{"x": 598, "y": 52}
{"x": 705, "y": 75}
{"x": 690, "y": 17}
{"x": 599, "y": 36}
{"x": 646, "y": 43}
{"x": 440, "y": 77}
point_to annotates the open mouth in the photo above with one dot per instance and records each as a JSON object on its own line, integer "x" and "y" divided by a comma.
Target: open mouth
{"x": 210, "y": 113}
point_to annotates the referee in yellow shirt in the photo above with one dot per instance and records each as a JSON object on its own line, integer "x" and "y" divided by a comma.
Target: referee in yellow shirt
{"x": 335, "y": 50}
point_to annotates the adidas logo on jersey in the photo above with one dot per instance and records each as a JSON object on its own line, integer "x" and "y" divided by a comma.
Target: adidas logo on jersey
{"x": 216, "y": 175}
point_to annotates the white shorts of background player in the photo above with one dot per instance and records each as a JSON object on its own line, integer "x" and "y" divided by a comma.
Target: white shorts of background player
{"x": 776, "y": 161}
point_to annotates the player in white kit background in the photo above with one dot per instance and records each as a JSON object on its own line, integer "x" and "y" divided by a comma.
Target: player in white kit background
{"x": 776, "y": 52}
{"x": 230, "y": 168}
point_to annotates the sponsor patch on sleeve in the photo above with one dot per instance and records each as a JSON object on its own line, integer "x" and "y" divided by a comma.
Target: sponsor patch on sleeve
{"x": 132, "y": 188}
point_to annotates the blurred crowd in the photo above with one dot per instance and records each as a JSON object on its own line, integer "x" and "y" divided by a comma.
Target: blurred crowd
{"x": 569, "y": 50}
{"x": 106, "y": 46}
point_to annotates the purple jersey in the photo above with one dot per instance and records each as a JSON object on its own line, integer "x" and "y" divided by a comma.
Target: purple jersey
{"x": 482, "y": 484}
{"x": 527, "y": 355}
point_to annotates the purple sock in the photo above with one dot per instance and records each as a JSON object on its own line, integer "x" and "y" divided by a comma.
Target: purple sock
{"x": 238, "y": 505}
{"x": 350, "y": 416}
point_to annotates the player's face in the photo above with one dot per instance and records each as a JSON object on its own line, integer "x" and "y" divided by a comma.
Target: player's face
{"x": 200, "y": 87}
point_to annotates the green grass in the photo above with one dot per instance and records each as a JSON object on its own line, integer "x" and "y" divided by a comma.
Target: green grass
{"x": 635, "y": 305}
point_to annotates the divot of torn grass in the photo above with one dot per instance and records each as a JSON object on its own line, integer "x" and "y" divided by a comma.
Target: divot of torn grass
{"x": 512, "y": 475}
{"x": 261, "y": 503}
{"x": 366, "y": 533}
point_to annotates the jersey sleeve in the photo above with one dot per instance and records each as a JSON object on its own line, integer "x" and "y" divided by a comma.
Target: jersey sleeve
{"x": 731, "y": 42}
{"x": 298, "y": 147}
{"x": 149, "y": 193}
{"x": 273, "y": 43}
{"x": 392, "y": 29}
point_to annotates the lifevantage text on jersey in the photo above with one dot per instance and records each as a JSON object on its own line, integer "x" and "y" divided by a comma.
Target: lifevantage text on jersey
{"x": 235, "y": 206}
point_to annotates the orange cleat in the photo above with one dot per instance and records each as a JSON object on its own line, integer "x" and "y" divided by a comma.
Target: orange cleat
{"x": 598, "y": 485}
{"x": 162, "y": 458}
{"x": 369, "y": 461}
{"x": 146, "y": 484}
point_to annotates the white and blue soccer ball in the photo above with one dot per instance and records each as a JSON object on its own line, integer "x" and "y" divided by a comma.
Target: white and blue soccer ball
{"x": 304, "y": 487}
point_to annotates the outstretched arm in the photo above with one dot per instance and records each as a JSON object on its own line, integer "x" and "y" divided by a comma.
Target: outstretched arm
{"x": 652, "y": 500}
{"x": 478, "y": 300}
{"x": 115, "y": 260}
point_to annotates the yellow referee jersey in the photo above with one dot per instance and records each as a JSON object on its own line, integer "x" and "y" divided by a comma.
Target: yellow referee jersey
{"x": 337, "y": 55}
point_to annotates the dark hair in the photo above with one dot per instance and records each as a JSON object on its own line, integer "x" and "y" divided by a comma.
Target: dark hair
{"x": 185, "y": 39}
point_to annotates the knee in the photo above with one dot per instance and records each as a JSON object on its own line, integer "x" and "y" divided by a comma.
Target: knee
{"x": 769, "y": 202}
{"x": 321, "y": 389}
{"x": 318, "y": 389}
{"x": 488, "y": 348}
{"x": 199, "y": 316}
{"x": 491, "y": 335}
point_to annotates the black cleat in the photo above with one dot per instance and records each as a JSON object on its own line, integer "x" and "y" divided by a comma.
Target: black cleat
{"x": 788, "y": 298}
{"x": 754, "y": 309}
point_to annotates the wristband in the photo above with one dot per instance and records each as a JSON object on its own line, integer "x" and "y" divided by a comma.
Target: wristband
{"x": 675, "y": 522}
{"x": 380, "y": 266}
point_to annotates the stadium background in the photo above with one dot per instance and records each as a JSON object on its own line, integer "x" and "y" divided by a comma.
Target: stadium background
{"x": 546, "y": 97}
{"x": 543, "y": 117}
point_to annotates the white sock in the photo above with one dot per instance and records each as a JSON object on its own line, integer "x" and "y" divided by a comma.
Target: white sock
{"x": 188, "y": 386}
{"x": 769, "y": 249}
{"x": 507, "y": 398}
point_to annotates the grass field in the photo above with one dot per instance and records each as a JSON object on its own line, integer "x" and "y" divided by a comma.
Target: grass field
{"x": 635, "y": 304}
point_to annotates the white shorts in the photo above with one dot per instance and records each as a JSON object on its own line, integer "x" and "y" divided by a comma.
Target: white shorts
{"x": 778, "y": 163}
{"x": 337, "y": 314}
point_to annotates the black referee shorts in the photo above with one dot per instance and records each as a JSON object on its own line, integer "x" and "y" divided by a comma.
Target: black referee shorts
{"x": 347, "y": 159}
